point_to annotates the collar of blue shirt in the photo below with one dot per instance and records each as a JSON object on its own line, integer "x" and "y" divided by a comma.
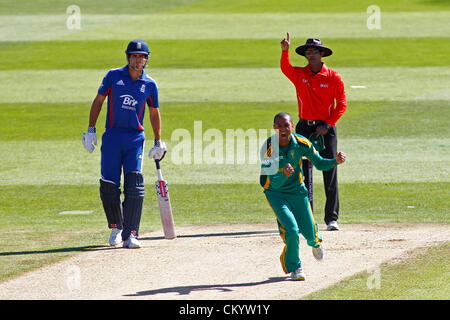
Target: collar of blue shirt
{"x": 127, "y": 73}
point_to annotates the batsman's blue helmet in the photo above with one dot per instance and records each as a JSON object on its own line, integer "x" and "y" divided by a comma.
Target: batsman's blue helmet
{"x": 137, "y": 46}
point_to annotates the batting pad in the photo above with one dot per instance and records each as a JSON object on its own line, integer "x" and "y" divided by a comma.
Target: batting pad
{"x": 134, "y": 192}
{"x": 110, "y": 195}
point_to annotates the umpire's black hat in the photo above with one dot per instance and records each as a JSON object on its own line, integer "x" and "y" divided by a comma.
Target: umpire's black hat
{"x": 314, "y": 43}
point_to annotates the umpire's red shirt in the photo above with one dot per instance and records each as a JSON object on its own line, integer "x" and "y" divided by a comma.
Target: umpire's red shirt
{"x": 320, "y": 96}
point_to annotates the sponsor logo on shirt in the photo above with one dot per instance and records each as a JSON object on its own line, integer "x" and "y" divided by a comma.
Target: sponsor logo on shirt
{"x": 129, "y": 102}
{"x": 323, "y": 85}
{"x": 120, "y": 83}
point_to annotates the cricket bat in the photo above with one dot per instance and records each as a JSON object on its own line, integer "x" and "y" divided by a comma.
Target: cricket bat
{"x": 308, "y": 173}
{"x": 165, "y": 208}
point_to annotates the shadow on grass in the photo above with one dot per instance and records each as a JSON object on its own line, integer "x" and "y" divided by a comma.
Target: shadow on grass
{"x": 185, "y": 290}
{"x": 219, "y": 234}
{"x": 102, "y": 247}
{"x": 56, "y": 250}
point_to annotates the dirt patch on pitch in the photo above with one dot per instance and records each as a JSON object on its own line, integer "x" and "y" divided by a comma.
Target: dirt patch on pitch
{"x": 226, "y": 262}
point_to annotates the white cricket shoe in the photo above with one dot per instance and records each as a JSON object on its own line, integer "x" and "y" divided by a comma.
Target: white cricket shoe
{"x": 318, "y": 252}
{"x": 332, "y": 226}
{"x": 116, "y": 237}
{"x": 298, "y": 275}
{"x": 132, "y": 243}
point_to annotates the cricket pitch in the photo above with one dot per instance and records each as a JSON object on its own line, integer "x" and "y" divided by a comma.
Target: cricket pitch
{"x": 226, "y": 262}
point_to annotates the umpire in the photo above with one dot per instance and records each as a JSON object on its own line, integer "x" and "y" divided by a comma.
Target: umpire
{"x": 321, "y": 102}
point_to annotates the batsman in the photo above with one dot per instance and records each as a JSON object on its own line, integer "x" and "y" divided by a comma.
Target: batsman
{"x": 129, "y": 89}
{"x": 282, "y": 179}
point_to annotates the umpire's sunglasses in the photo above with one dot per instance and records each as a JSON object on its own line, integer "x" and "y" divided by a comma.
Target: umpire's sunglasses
{"x": 313, "y": 51}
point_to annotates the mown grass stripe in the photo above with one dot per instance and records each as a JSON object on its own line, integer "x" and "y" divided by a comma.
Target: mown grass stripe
{"x": 362, "y": 119}
{"x": 8, "y": 7}
{"x": 224, "y": 26}
{"x": 42, "y": 7}
{"x": 288, "y": 6}
{"x": 228, "y": 84}
{"x": 381, "y": 160}
{"x": 214, "y": 53}
{"x": 367, "y": 202}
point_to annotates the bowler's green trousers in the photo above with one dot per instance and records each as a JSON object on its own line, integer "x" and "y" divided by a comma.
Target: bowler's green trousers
{"x": 294, "y": 216}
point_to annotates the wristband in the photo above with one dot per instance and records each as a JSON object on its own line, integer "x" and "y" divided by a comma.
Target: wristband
{"x": 91, "y": 129}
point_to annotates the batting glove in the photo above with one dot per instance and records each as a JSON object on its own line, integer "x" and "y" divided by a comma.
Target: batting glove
{"x": 89, "y": 139}
{"x": 158, "y": 151}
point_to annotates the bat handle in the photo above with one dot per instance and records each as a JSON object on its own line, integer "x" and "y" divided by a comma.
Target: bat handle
{"x": 158, "y": 170}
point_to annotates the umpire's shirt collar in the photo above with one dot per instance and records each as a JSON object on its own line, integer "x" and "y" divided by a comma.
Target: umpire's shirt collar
{"x": 323, "y": 72}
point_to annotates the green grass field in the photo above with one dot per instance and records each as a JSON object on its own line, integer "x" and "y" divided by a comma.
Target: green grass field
{"x": 218, "y": 62}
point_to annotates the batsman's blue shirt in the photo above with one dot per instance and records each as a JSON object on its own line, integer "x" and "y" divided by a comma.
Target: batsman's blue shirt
{"x": 127, "y": 98}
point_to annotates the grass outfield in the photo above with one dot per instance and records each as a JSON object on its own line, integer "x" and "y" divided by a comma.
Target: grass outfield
{"x": 222, "y": 68}
{"x": 248, "y": 85}
{"x": 212, "y": 53}
{"x": 224, "y": 26}
{"x": 17, "y": 7}
{"x": 416, "y": 279}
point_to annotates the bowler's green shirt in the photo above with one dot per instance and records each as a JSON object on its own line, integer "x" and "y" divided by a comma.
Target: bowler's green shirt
{"x": 272, "y": 163}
